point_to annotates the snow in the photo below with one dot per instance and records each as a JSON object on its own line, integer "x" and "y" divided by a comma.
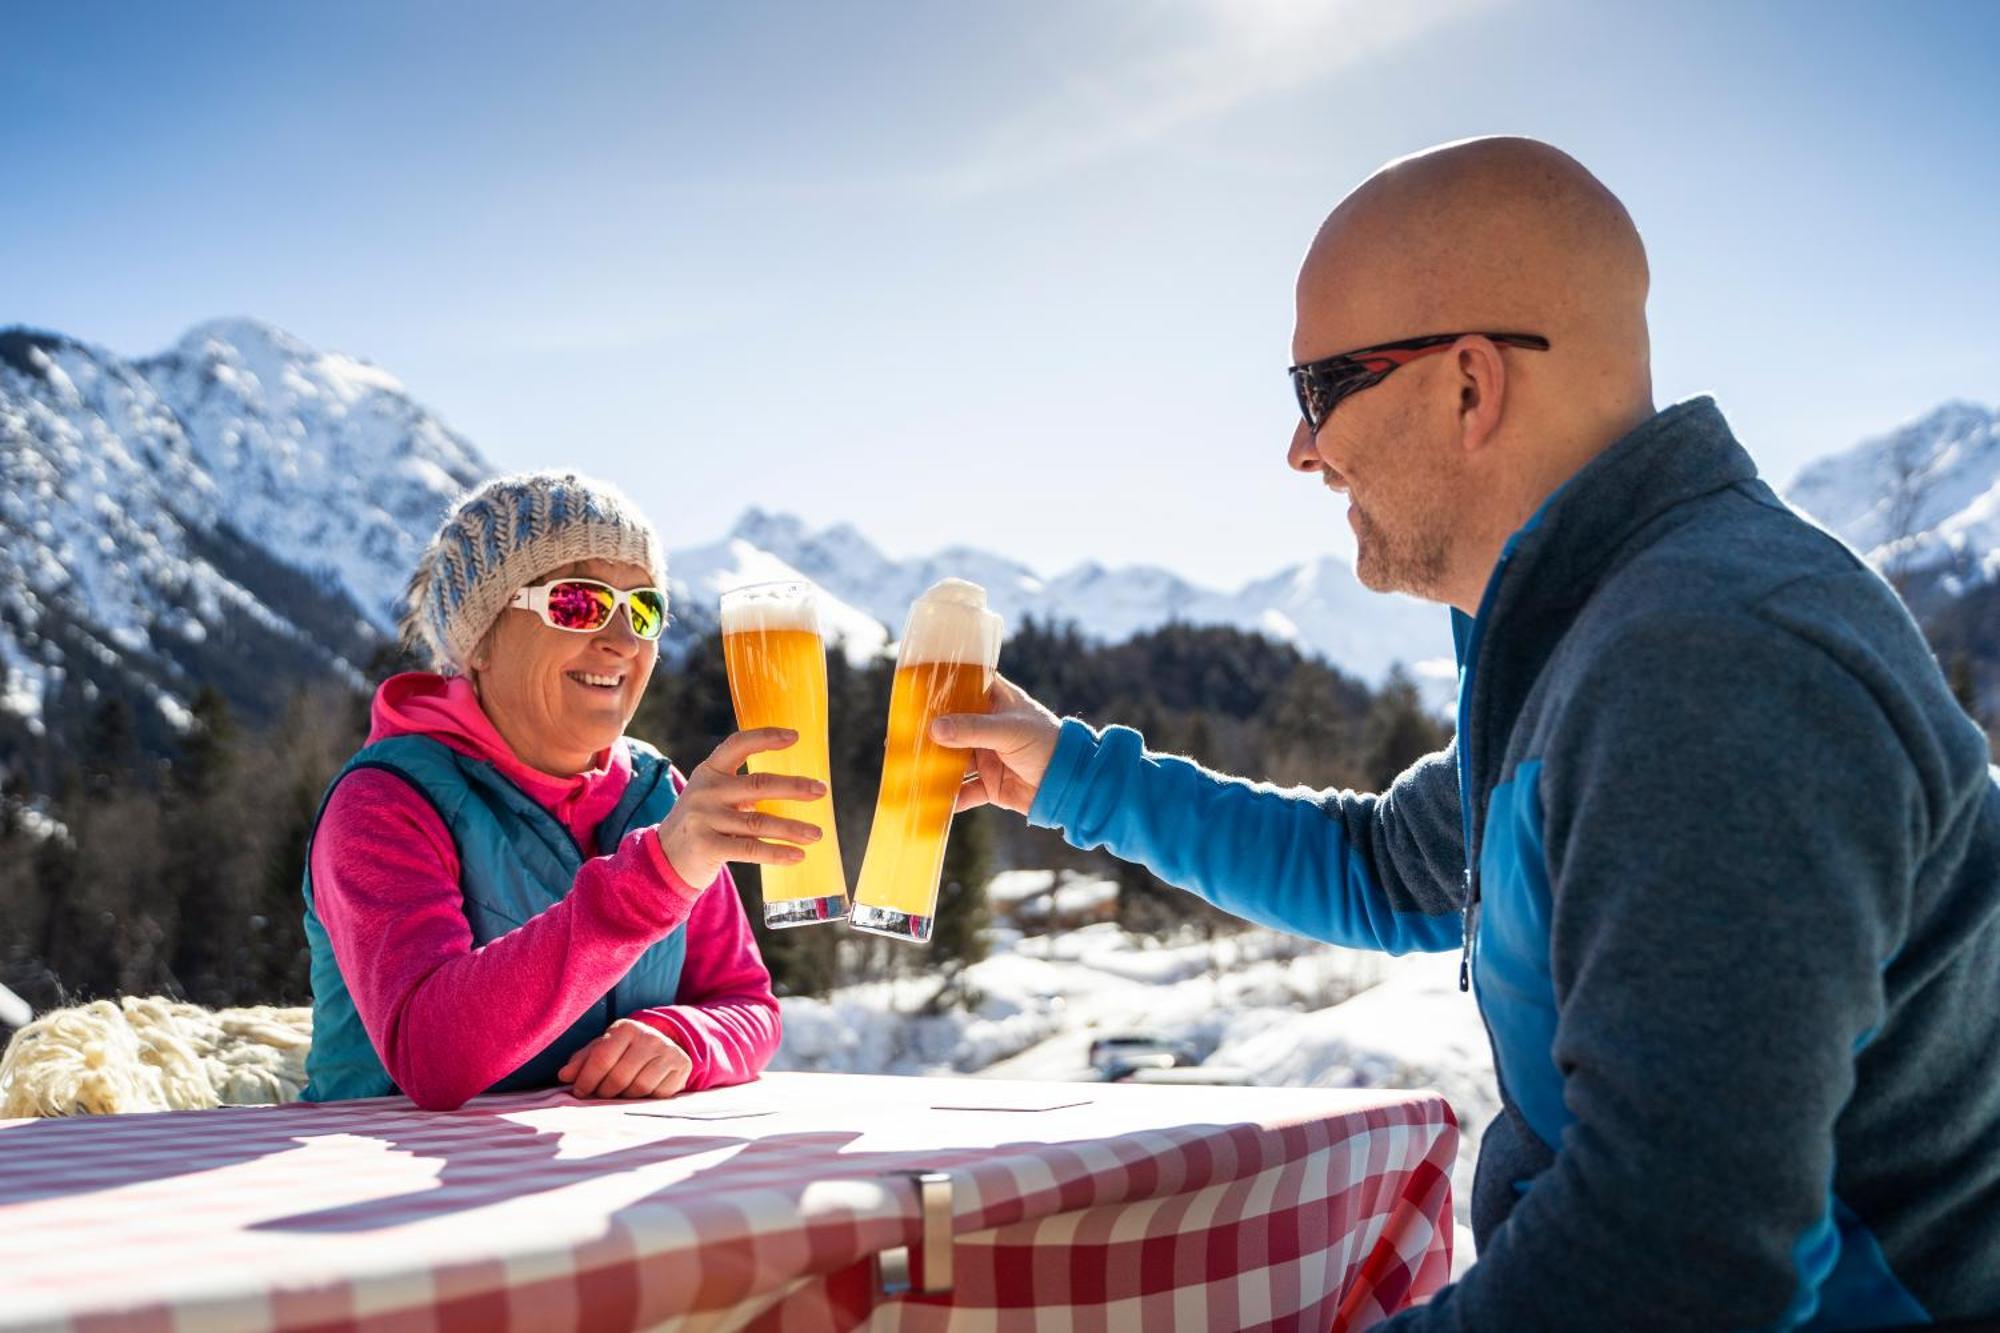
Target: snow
{"x": 1268, "y": 1009}
{"x": 1923, "y": 497}
{"x": 115, "y": 476}
{"x": 697, "y": 578}
{"x": 328, "y": 463}
{"x": 1319, "y": 607}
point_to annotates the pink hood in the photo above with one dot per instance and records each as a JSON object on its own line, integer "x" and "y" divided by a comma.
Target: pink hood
{"x": 444, "y": 708}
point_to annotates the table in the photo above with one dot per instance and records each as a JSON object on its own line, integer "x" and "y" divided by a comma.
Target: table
{"x": 761, "y": 1207}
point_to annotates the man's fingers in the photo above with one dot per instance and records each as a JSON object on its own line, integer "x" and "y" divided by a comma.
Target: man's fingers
{"x": 1001, "y": 732}
{"x": 729, "y": 756}
{"x": 971, "y": 795}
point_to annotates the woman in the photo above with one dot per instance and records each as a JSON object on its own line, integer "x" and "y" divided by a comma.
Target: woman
{"x": 503, "y": 890}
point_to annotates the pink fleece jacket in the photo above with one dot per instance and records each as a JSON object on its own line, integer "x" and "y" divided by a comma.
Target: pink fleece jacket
{"x": 449, "y": 1020}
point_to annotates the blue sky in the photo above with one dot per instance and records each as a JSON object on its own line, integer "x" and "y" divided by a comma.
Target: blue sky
{"x": 1014, "y": 275}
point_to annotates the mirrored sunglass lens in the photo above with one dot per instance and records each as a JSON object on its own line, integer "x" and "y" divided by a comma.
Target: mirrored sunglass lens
{"x": 1319, "y": 398}
{"x": 648, "y": 610}
{"x": 580, "y": 606}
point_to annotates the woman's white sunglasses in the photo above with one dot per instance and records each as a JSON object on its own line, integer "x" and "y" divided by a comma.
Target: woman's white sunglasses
{"x": 585, "y": 606}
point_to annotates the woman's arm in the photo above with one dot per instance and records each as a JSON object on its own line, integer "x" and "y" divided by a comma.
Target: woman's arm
{"x": 726, "y": 1018}
{"x": 449, "y": 1020}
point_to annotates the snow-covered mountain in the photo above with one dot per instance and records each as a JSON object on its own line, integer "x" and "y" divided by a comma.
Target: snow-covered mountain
{"x": 242, "y": 509}
{"x": 1922, "y": 502}
{"x": 1318, "y": 607}
{"x": 238, "y": 511}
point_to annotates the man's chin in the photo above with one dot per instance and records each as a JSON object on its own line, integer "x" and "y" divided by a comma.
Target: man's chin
{"x": 1370, "y": 573}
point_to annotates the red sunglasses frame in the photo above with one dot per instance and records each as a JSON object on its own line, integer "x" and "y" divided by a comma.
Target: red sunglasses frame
{"x": 1330, "y": 379}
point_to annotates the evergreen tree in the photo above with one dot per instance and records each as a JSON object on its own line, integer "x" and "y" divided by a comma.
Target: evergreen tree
{"x": 110, "y": 746}
{"x": 958, "y": 929}
{"x": 1399, "y": 731}
{"x": 204, "y": 873}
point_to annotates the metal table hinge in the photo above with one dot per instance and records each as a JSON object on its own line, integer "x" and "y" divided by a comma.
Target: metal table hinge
{"x": 935, "y": 1207}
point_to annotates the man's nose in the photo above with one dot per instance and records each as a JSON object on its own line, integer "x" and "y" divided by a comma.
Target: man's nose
{"x": 1303, "y": 455}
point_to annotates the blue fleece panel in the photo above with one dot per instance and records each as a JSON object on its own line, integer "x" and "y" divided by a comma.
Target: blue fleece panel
{"x": 1511, "y": 972}
{"x": 1272, "y": 856}
{"x": 1859, "y": 1291}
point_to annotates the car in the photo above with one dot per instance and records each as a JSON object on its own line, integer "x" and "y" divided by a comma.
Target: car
{"x": 1120, "y": 1055}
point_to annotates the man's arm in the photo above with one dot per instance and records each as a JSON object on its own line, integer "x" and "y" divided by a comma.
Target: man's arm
{"x": 1731, "y": 826}
{"x": 1371, "y": 872}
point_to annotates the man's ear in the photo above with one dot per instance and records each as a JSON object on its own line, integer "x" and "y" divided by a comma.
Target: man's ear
{"x": 1482, "y": 391}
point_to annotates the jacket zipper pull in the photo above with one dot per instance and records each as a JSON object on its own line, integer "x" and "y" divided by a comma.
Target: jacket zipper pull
{"x": 1465, "y": 951}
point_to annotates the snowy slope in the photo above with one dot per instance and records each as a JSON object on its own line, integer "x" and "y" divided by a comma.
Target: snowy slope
{"x": 238, "y": 511}
{"x": 698, "y": 576}
{"x": 1923, "y": 499}
{"x": 242, "y": 510}
{"x": 1318, "y": 607}
{"x": 327, "y": 462}
{"x": 1257, "y": 1008}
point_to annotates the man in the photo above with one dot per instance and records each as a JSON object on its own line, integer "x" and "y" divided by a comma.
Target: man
{"x": 1722, "y": 853}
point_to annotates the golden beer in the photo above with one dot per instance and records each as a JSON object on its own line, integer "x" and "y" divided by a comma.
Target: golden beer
{"x": 776, "y": 660}
{"x": 949, "y": 651}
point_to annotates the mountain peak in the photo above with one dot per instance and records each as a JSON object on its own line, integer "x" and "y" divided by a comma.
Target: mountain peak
{"x": 19, "y": 343}
{"x": 777, "y": 533}
{"x": 1924, "y": 497}
{"x": 242, "y": 332}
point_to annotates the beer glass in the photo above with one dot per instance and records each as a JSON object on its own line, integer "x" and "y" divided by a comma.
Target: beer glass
{"x": 951, "y": 646}
{"x": 776, "y": 660}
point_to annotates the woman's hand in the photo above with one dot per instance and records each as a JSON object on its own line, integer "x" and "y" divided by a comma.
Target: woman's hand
{"x": 631, "y": 1059}
{"x": 713, "y": 820}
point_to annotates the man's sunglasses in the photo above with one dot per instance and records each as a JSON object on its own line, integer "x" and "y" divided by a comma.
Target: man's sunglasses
{"x": 1320, "y": 385}
{"x": 585, "y": 606}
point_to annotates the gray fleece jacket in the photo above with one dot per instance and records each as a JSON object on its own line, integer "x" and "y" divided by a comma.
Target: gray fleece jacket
{"x": 1731, "y": 910}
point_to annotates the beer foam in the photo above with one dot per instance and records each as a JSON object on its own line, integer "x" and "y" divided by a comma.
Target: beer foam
{"x": 951, "y": 623}
{"x": 770, "y": 609}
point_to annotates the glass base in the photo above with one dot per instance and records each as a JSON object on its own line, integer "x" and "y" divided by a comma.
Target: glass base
{"x": 888, "y": 921}
{"x": 804, "y": 911}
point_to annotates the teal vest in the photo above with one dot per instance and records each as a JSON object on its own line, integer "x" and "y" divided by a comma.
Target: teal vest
{"x": 516, "y": 861}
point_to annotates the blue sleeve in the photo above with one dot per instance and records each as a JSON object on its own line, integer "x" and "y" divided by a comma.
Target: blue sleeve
{"x": 1369, "y": 872}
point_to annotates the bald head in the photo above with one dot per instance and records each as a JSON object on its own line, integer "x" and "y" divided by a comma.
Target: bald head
{"x": 1443, "y": 460}
{"x": 1497, "y": 234}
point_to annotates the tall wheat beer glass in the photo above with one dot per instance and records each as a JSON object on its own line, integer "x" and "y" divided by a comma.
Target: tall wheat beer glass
{"x": 776, "y": 659}
{"x": 951, "y": 647}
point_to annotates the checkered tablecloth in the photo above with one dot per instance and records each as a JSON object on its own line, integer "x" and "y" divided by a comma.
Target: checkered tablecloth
{"x": 760, "y": 1207}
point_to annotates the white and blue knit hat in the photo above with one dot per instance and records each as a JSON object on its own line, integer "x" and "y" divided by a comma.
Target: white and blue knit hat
{"x": 508, "y": 534}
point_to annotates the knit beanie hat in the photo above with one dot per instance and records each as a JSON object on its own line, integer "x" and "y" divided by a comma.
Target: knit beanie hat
{"x": 502, "y": 537}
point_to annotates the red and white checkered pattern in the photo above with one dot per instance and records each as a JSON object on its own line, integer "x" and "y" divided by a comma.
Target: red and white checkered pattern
{"x": 1161, "y": 1207}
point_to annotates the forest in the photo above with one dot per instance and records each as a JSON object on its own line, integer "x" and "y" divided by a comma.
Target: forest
{"x": 179, "y": 872}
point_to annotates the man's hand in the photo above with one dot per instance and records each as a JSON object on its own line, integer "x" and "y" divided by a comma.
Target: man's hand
{"x": 1010, "y": 743}
{"x": 713, "y": 820}
{"x": 631, "y": 1059}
